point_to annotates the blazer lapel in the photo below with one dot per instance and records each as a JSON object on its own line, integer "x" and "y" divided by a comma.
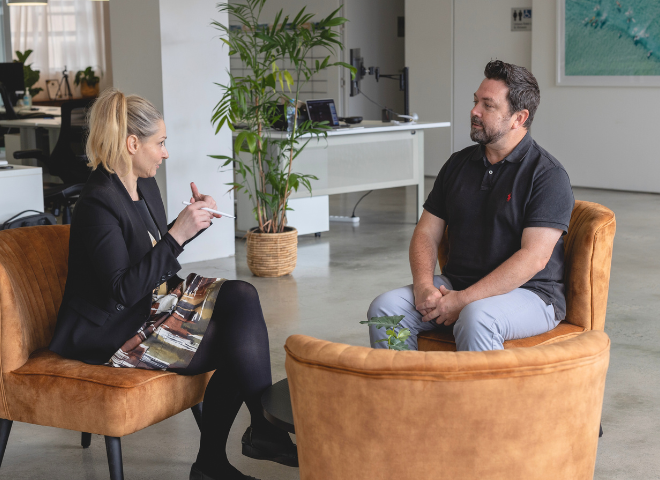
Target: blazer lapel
{"x": 133, "y": 215}
{"x": 149, "y": 190}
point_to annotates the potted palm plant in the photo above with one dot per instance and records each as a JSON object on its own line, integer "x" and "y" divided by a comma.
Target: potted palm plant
{"x": 263, "y": 162}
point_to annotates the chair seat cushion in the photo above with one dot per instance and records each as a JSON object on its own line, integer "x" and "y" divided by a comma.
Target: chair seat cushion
{"x": 444, "y": 342}
{"x": 54, "y": 391}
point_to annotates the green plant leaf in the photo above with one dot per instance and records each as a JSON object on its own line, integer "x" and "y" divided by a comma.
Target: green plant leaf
{"x": 238, "y": 143}
{"x": 380, "y": 322}
{"x": 350, "y": 67}
{"x": 221, "y": 157}
{"x": 403, "y": 334}
{"x": 251, "y": 141}
{"x": 271, "y": 80}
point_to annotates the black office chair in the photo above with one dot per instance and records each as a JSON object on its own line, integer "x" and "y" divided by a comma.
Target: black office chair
{"x": 67, "y": 160}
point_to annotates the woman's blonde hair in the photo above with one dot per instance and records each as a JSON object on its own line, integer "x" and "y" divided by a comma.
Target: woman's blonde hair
{"x": 112, "y": 118}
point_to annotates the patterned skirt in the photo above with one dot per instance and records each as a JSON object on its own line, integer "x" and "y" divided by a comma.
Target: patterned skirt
{"x": 176, "y": 326}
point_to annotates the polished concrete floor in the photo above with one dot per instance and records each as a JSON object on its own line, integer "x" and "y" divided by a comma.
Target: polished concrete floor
{"x": 328, "y": 294}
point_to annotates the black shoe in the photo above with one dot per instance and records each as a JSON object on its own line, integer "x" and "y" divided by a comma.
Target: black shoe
{"x": 196, "y": 474}
{"x": 263, "y": 449}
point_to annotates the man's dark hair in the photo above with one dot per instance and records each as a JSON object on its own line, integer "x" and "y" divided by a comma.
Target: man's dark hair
{"x": 524, "y": 90}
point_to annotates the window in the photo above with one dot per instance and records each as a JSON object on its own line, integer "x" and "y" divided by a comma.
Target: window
{"x": 65, "y": 33}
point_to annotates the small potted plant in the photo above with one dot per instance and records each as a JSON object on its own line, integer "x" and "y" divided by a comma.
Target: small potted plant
{"x": 88, "y": 82}
{"x": 263, "y": 163}
{"x": 396, "y": 340}
{"x": 30, "y": 76}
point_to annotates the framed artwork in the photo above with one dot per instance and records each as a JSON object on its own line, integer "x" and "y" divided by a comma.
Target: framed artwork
{"x": 608, "y": 43}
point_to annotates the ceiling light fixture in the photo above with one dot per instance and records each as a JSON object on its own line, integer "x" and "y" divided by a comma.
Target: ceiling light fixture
{"x": 23, "y": 3}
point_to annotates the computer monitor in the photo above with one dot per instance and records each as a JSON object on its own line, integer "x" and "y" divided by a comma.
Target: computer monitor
{"x": 11, "y": 76}
{"x": 323, "y": 111}
{"x": 356, "y": 61}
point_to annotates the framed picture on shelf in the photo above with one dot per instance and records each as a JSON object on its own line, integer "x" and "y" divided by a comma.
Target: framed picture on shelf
{"x": 51, "y": 88}
{"x": 608, "y": 43}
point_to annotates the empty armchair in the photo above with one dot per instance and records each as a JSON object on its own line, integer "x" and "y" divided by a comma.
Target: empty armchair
{"x": 521, "y": 414}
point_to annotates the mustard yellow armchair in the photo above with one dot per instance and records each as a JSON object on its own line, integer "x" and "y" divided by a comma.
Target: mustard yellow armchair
{"x": 588, "y": 258}
{"x": 38, "y": 386}
{"x": 517, "y": 414}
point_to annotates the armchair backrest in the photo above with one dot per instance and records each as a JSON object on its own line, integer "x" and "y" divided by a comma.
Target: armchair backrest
{"x": 588, "y": 259}
{"x": 33, "y": 270}
{"x": 524, "y": 413}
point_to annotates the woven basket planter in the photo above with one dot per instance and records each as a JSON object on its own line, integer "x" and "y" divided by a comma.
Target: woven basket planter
{"x": 272, "y": 254}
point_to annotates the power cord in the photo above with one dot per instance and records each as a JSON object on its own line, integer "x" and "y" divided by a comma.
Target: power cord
{"x": 358, "y": 202}
{"x": 378, "y": 104}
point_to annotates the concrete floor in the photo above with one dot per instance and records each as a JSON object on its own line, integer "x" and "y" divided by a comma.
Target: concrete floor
{"x": 328, "y": 294}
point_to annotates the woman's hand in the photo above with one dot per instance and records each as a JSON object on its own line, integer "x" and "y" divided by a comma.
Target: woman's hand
{"x": 191, "y": 220}
{"x": 198, "y": 197}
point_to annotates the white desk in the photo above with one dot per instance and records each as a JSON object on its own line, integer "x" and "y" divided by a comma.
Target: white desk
{"x": 369, "y": 156}
{"x": 54, "y": 111}
{"x": 27, "y": 128}
{"x": 21, "y": 189}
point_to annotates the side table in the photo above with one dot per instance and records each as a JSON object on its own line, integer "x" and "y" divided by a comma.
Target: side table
{"x": 276, "y": 403}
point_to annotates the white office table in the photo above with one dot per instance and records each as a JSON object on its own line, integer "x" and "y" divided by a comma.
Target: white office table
{"x": 21, "y": 189}
{"x": 27, "y": 128}
{"x": 54, "y": 111}
{"x": 368, "y": 156}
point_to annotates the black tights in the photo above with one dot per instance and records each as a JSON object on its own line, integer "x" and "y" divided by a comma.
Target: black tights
{"x": 236, "y": 346}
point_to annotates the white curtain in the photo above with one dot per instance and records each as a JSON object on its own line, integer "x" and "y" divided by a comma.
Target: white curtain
{"x": 63, "y": 33}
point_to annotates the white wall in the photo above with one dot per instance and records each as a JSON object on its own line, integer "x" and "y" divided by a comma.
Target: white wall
{"x": 372, "y": 27}
{"x": 605, "y": 137}
{"x": 136, "y": 56}
{"x": 106, "y": 79}
{"x": 166, "y": 51}
{"x": 429, "y": 38}
{"x": 482, "y": 32}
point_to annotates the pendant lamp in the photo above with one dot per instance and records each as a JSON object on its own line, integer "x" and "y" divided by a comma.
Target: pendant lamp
{"x": 20, "y": 3}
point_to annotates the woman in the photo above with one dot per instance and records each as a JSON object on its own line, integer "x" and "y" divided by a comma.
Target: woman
{"x": 123, "y": 305}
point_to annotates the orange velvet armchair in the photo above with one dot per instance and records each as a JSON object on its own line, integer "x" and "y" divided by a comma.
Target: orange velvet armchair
{"x": 38, "y": 386}
{"x": 518, "y": 414}
{"x": 588, "y": 258}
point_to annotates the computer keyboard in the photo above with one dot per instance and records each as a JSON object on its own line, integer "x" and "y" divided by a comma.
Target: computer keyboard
{"x": 22, "y": 115}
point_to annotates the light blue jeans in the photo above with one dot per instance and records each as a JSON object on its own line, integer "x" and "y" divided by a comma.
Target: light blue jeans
{"x": 481, "y": 325}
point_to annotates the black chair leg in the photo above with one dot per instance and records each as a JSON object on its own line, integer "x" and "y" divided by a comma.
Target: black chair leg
{"x": 600, "y": 434}
{"x": 113, "y": 448}
{"x": 5, "y": 429}
{"x": 86, "y": 440}
{"x": 197, "y": 413}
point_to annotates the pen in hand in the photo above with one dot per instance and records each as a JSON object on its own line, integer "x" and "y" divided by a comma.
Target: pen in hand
{"x": 212, "y": 211}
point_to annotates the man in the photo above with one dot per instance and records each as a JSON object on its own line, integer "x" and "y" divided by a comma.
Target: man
{"x": 506, "y": 204}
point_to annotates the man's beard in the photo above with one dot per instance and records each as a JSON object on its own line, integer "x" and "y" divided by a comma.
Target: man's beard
{"x": 486, "y": 135}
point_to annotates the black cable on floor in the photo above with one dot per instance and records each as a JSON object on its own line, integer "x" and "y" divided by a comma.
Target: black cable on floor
{"x": 358, "y": 202}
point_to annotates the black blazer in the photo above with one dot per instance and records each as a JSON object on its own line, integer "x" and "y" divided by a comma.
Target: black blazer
{"x": 113, "y": 268}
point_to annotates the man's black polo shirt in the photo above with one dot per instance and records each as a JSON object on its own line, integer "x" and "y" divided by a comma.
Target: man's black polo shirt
{"x": 486, "y": 208}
